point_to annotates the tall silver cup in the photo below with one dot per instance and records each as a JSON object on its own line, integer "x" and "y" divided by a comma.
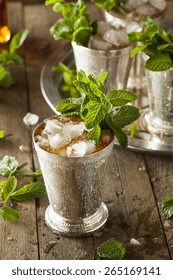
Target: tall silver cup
{"x": 74, "y": 188}
{"x": 116, "y": 62}
{"x": 159, "y": 120}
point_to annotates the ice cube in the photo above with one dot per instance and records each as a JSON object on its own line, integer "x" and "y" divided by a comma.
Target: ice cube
{"x": 58, "y": 140}
{"x": 30, "y": 119}
{"x": 81, "y": 148}
{"x": 133, "y": 26}
{"x": 98, "y": 43}
{"x": 73, "y": 129}
{"x": 41, "y": 140}
{"x": 112, "y": 36}
{"x": 146, "y": 10}
{"x": 123, "y": 37}
{"x": 53, "y": 126}
{"x": 158, "y": 4}
{"x": 132, "y": 4}
{"x": 103, "y": 26}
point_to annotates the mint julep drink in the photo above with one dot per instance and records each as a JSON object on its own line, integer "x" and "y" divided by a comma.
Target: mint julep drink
{"x": 74, "y": 170}
{"x": 66, "y": 136}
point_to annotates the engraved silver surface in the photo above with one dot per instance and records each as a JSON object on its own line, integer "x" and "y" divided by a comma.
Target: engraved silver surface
{"x": 74, "y": 187}
{"x": 116, "y": 62}
{"x": 159, "y": 119}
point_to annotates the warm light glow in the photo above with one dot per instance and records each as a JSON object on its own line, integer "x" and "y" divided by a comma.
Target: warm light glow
{"x": 5, "y": 34}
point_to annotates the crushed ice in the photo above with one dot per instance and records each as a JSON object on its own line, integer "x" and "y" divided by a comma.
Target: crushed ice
{"x": 58, "y": 135}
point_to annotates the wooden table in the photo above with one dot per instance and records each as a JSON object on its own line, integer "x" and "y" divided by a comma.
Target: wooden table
{"x": 136, "y": 183}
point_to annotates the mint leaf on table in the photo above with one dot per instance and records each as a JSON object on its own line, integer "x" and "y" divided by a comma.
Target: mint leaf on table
{"x": 9, "y": 187}
{"x": 34, "y": 174}
{"x": 8, "y": 165}
{"x": 11, "y": 57}
{"x": 9, "y": 213}
{"x": 167, "y": 207}
{"x": 2, "y": 134}
{"x": 29, "y": 191}
{"x": 111, "y": 249}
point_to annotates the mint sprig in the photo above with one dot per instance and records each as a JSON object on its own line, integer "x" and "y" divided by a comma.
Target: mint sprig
{"x": 75, "y": 22}
{"x": 156, "y": 43}
{"x": 111, "y": 5}
{"x": 167, "y": 207}
{"x": 9, "y": 189}
{"x": 11, "y": 57}
{"x": 111, "y": 249}
{"x": 98, "y": 108}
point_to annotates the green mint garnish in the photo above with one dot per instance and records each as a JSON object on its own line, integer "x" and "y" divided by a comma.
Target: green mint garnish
{"x": 11, "y": 57}
{"x": 167, "y": 207}
{"x": 98, "y": 108}
{"x": 69, "y": 75}
{"x": 9, "y": 189}
{"x": 75, "y": 22}
{"x": 156, "y": 43}
{"x": 111, "y": 5}
{"x": 2, "y": 134}
{"x": 111, "y": 249}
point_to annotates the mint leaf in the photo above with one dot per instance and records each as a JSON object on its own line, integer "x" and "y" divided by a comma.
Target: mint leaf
{"x": 111, "y": 249}
{"x": 2, "y": 134}
{"x": 160, "y": 62}
{"x": 167, "y": 207}
{"x": 123, "y": 115}
{"x": 9, "y": 187}
{"x": 69, "y": 106}
{"x": 9, "y": 214}
{"x": 120, "y": 97}
{"x": 35, "y": 174}
{"x": 94, "y": 134}
{"x": 120, "y": 135}
{"x": 6, "y": 79}
{"x": 17, "y": 40}
{"x": 8, "y": 165}
{"x": 29, "y": 191}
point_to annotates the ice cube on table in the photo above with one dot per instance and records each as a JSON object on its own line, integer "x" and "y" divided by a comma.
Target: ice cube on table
{"x": 73, "y": 129}
{"x": 58, "y": 140}
{"x": 81, "y": 148}
{"x": 53, "y": 126}
{"x": 158, "y": 4}
{"x": 133, "y": 26}
{"x": 97, "y": 43}
{"x": 30, "y": 119}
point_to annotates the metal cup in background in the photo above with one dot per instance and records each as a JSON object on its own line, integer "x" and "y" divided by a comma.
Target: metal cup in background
{"x": 159, "y": 119}
{"x": 74, "y": 188}
{"x": 116, "y": 62}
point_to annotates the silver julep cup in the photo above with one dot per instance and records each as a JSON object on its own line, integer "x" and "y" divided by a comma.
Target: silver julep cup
{"x": 116, "y": 62}
{"x": 159, "y": 120}
{"x": 74, "y": 188}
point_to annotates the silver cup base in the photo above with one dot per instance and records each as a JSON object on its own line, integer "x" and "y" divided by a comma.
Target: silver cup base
{"x": 162, "y": 130}
{"x": 73, "y": 227}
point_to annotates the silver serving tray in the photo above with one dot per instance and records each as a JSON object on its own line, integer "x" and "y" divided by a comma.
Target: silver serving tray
{"x": 144, "y": 142}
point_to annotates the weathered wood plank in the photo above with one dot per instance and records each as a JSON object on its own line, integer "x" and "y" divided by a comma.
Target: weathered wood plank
{"x": 160, "y": 172}
{"x": 18, "y": 239}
